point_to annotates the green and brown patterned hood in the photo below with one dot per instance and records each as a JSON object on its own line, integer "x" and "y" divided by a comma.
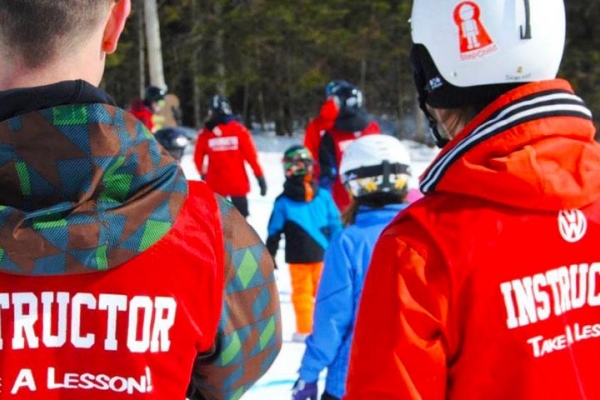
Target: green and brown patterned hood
{"x": 83, "y": 188}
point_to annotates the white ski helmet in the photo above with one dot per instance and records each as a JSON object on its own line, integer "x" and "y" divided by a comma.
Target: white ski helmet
{"x": 375, "y": 164}
{"x": 472, "y": 44}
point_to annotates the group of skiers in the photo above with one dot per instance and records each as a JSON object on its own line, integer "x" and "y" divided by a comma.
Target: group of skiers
{"x": 121, "y": 278}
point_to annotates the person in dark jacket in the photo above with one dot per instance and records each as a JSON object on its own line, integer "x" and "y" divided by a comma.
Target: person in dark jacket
{"x": 117, "y": 276}
{"x": 308, "y": 218}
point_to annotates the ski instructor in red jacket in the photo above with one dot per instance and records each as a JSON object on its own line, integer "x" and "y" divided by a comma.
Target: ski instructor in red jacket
{"x": 489, "y": 286}
{"x": 228, "y": 145}
{"x": 118, "y": 279}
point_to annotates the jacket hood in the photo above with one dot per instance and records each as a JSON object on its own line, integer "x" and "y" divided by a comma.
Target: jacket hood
{"x": 84, "y": 188}
{"x": 532, "y": 148}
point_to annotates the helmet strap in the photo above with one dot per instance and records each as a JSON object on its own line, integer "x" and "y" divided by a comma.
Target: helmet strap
{"x": 439, "y": 139}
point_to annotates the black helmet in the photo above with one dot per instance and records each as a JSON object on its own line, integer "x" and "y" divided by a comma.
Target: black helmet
{"x": 154, "y": 94}
{"x": 333, "y": 86}
{"x": 174, "y": 140}
{"x": 350, "y": 97}
{"x": 220, "y": 106}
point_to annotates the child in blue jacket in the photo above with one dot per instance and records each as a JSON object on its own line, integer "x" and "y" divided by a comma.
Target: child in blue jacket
{"x": 376, "y": 170}
{"x": 308, "y": 217}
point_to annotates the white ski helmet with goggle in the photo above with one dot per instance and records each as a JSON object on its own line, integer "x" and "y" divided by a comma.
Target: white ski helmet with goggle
{"x": 477, "y": 43}
{"x": 375, "y": 164}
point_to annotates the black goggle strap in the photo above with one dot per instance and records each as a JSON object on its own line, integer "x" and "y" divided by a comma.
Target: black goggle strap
{"x": 385, "y": 168}
{"x": 440, "y": 140}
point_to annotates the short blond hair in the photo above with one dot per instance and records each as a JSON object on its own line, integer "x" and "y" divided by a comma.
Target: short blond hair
{"x": 38, "y": 29}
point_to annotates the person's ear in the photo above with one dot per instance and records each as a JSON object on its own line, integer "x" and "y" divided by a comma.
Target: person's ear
{"x": 119, "y": 11}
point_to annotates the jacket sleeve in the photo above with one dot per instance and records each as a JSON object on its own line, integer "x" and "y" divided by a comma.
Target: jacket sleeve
{"x": 200, "y": 152}
{"x": 335, "y": 218}
{"x": 333, "y": 310}
{"x": 249, "y": 151}
{"x": 327, "y": 162}
{"x": 249, "y": 333}
{"x": 275, "y": 228}
{"x": 312, "y": 138}
{"x": 398, "y": 349}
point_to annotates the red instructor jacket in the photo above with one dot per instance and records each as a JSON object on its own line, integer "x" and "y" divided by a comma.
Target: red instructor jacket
{"x": 118, "y": 332}
{"x": 228, "y": 147}
{"x": 489, "y": 286}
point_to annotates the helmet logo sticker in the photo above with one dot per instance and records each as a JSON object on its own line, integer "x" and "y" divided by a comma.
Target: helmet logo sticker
{"x": 572, "y": 225}
{"x": 475, "y": 42}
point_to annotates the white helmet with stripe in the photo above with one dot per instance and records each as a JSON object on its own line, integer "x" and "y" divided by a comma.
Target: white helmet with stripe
{"x": 375, "y": 164}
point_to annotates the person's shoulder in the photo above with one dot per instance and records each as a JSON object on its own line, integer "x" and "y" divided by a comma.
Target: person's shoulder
{"x": 201, "y": 197}
{"x": 325, "y": 195}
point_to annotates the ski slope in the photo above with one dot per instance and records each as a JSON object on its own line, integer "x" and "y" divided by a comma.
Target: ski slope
{"x": 276, "y": 384}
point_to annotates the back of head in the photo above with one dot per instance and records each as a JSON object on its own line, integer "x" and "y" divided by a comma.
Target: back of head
{"x": 471, "y": 52}
{"x": 350, "y": 98}
{"x": 297, "y": 162}
{"x": 154, "y": 94}
{"x": 219, "y": 106}
{"x": 174, "y": 140}
{"x": 333, "y": 86}
{"x": 40, "y": 30}
{"x": 376, "y": 165}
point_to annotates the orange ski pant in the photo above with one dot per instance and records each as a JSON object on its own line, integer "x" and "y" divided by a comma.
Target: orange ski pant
{"x": 305, "y": 281}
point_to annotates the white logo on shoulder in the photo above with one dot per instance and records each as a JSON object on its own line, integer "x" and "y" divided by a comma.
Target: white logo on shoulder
{"x": 572, "y": 225}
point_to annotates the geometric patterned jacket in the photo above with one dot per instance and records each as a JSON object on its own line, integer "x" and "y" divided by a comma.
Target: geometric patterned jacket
{"x": 118, "y": 277}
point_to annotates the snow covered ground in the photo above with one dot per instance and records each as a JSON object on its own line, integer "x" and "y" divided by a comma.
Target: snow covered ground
{"x": 276, "y": 384}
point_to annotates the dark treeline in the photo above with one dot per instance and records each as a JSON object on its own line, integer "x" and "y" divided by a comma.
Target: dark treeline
{"x": 272, "y": 58}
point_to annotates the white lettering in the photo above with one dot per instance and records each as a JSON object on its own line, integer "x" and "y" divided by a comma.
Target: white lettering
{"x": 528, "y": 300}
{"x": 164, "y": 318}
{"x": 593, "y": 298}
{"x": 59, "y": 318}
{"x": 112, "y": 303}
{"x": 60, "y": 338}
{"x": 24, "y": 320}
{"x": 578, "y": 293}
{"x": 541, "y": 297}
{"x": 4, "y": 304}
{"x": 139, "y": 306}
{"x": 511, "y": 320}
{"x": 80, "y": 300}
{"x": 24, "y": 379}
{"x": 88, "y": 381}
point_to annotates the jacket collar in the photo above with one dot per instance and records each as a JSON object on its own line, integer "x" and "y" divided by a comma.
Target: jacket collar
{"x": 532, "y": 148}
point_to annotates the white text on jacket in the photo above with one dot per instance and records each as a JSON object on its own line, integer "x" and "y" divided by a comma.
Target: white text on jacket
{"x": 535, "y": 298}
{"x": 54, "y": 318}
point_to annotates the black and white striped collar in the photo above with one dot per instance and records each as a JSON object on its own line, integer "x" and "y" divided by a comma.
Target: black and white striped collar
{"x": 543, "y": 104}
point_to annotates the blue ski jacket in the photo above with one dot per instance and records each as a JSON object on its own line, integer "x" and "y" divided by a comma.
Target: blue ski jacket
{"x": 346, "y": 262}
{"x": 308, "y": 227}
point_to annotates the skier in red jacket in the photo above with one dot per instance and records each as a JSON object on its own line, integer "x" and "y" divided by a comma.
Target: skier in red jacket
{"x": 147, "y": 109}
{"x": 488, "y": 287}
{"x": 228, "y": 145}
{"x": 118, "y": 279}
